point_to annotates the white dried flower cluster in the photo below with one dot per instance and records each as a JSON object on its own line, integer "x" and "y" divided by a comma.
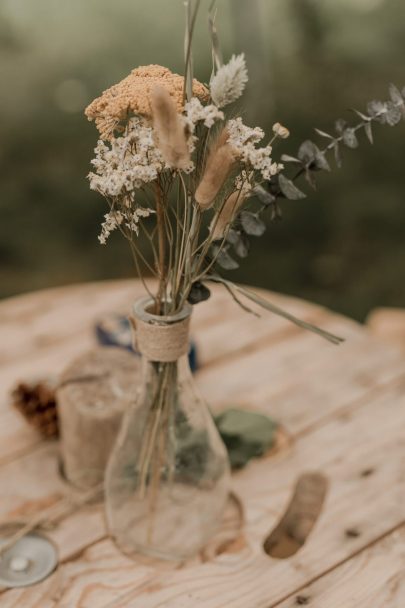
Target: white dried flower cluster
{"x": 131, "y": 161}
{"x": 113, "y": 219}
{"x": 240, "y": 134}
{"x": 244, "y": 139}
{"x": 243, "y": 182}
{"x": 135, "y": 216}
{"x": 281, "y": 131}
{"x": 195, "y": 112}
{"x": 229, "y": 82}
{"x": 116, "y": 218}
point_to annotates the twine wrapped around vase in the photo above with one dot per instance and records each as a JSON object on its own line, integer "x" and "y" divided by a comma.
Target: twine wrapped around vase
{"x": 161, "y": 338}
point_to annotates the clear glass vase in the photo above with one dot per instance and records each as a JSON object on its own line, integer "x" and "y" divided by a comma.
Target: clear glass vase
{"x": 168, "y": 476}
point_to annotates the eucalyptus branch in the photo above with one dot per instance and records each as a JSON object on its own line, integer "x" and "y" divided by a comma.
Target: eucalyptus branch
{"x": 309, "y": 160}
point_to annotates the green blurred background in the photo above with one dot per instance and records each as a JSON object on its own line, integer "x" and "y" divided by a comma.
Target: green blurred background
{"x": 309, "y": 60}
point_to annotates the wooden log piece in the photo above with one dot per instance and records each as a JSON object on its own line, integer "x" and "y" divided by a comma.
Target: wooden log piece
{"x": 94, "y": 392}
{"x": 388, "y": 324}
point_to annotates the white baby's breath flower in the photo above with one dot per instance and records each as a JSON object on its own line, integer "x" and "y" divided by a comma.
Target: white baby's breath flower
{"x": 243, "y": 182}
{"x": 127, "y": 163}
{"x": 126, "y": 216}
{"x": 243, "y": 140}
{"x": 240, "y": 134}
{"x": 195, "y": 112}
{"x": 229, "y": 82}
{"x": 276, "y": 168}
{"x": 112, "y": 220}
{"x": 133, "y": 218}
{"x": 280, "y": 130}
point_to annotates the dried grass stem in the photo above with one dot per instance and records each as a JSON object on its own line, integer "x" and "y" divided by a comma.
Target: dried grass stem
{"x": 169, "y": 129}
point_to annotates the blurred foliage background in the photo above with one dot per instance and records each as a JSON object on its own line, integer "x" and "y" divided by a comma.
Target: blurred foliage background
{"x": 309, "y": 61}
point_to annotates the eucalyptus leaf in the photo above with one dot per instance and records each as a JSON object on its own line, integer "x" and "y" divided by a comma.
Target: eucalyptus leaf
{"x": 275, "y": 212}
{"x": 233, "y": 236}
{"x": 324, "y": 134}
{"x": 286, "y": 158}
{"x": 246, "y": 434}
{"x": 350, "y": 138}
{"x": 362, "y": 115}
{"x": 377, "y": 109}
{"x": 252, "y": 224}
{"x": 289, "y": 189}
{"x": 310, "y": 154}
{"x": 321, "y": 161}
{"x": 395, "y": 94}
{"x": 242, "y": 246}
{"x": 340, "y": 125}
{"x": 307, "y": 151}
{"x": 310, "y": 177}
{"x": 224, "y": 260}
{"x": 254, "y": 427}
{"x": 393, "y": 114}
{"x": 198, "y": 293}
{"x": 264, "y": 196}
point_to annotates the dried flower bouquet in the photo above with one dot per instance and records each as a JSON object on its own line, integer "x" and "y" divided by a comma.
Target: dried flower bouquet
{"x": 178, "y": 168}
{"x": 169, "y": 157}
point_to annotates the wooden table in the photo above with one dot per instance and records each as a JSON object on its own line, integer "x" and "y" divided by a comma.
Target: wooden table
{"x": 343, "y": 408}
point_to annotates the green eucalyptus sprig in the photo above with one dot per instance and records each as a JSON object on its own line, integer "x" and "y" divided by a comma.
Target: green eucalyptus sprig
{"x": 309, "y": 160}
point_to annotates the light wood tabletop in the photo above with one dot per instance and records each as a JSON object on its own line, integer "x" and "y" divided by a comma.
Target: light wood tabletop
{"x": 342, "y": 408}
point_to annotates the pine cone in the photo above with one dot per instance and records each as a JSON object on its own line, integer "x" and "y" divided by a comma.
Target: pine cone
{"x": 37, "y": 403}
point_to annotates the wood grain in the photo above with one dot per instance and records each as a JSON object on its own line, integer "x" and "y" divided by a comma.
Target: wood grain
{"x": 343, "y": 405}
{"x": 361, "y": 506}
{"x": 388, "y": 324}
{"x": 42, "y": 332}
{"x": 373, "y": 578}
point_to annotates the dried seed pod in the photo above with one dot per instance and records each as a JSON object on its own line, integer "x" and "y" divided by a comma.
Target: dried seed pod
{"x": 169, "y": 129}
{"x": 219, "y": 164}
{"x": 226, "y": 215}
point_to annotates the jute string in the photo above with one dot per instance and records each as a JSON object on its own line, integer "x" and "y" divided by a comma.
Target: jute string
{"x": 162, "y": 342}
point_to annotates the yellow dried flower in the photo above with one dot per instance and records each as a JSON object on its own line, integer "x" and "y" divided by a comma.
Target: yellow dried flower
{"x": 133, "y": 95}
